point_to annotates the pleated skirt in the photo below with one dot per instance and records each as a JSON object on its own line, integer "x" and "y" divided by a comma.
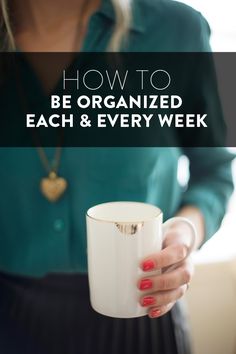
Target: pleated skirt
{"x": 53, "y": 315}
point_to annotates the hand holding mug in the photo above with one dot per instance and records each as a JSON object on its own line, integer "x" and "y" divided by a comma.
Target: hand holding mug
{"x": 120, "y": 235}
{"x": 161, "y": 291}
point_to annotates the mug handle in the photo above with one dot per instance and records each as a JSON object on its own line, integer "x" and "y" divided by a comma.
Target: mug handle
{"x": 172, "y": 221}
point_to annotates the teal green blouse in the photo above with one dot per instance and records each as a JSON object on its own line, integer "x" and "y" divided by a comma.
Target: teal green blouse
{"x": 37, "y": 237}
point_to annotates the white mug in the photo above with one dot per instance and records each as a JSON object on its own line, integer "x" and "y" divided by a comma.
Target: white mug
{"x": 119, "y": 236}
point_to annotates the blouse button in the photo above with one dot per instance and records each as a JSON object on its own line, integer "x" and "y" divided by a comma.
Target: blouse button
{"x": 59, "y": 225}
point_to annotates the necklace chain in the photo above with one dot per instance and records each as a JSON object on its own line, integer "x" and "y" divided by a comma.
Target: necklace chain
{"x": 52, "y": 186}
{"x": 54, "y": 166}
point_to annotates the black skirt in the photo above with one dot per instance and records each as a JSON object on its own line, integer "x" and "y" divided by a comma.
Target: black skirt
{"x": 52, "y": 315}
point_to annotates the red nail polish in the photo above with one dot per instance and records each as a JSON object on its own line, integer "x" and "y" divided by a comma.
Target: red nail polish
{"x": 155, "y": 313}
{"x": 145, "y": 284}
{"x": 148, "y": 301}
{"x": 148, "y": 265}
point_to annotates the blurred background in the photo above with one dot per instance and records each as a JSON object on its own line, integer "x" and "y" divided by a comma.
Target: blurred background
{"x": 211, "y": 299}
{"x": 221, "y": 17}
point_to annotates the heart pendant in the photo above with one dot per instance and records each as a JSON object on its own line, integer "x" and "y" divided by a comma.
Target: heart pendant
{"x": 53, "y": 187}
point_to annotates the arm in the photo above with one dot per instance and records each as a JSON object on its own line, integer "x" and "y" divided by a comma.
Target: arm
{"x": 192, "y": 213}
{"x": 204, "y": 203}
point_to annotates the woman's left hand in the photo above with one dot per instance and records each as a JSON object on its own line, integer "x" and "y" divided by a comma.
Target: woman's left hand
{"x": 160, "y": 292}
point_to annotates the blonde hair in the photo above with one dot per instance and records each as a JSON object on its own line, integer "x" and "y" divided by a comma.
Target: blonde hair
{"x": 123, "y": 14}
{"x": 122, "y": 10}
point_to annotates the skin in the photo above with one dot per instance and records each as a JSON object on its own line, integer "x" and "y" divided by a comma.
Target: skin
{"x": 53, "y": 26}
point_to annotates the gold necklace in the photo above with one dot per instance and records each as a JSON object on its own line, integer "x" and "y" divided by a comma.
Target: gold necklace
{"x": 52, "y": 187}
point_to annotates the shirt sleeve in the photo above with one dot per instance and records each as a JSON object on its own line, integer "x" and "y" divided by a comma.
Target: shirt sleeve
{"x": 210, "y": 184}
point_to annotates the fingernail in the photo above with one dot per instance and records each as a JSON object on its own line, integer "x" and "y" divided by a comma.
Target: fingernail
{"x": 155, "y": 313}
{"x": 148, "y": 265}
{"x": 148, "y": 300}
{"x": 145, "y": 284}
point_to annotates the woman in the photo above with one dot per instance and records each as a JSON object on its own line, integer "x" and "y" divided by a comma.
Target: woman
{"x": 43, "y": 310}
